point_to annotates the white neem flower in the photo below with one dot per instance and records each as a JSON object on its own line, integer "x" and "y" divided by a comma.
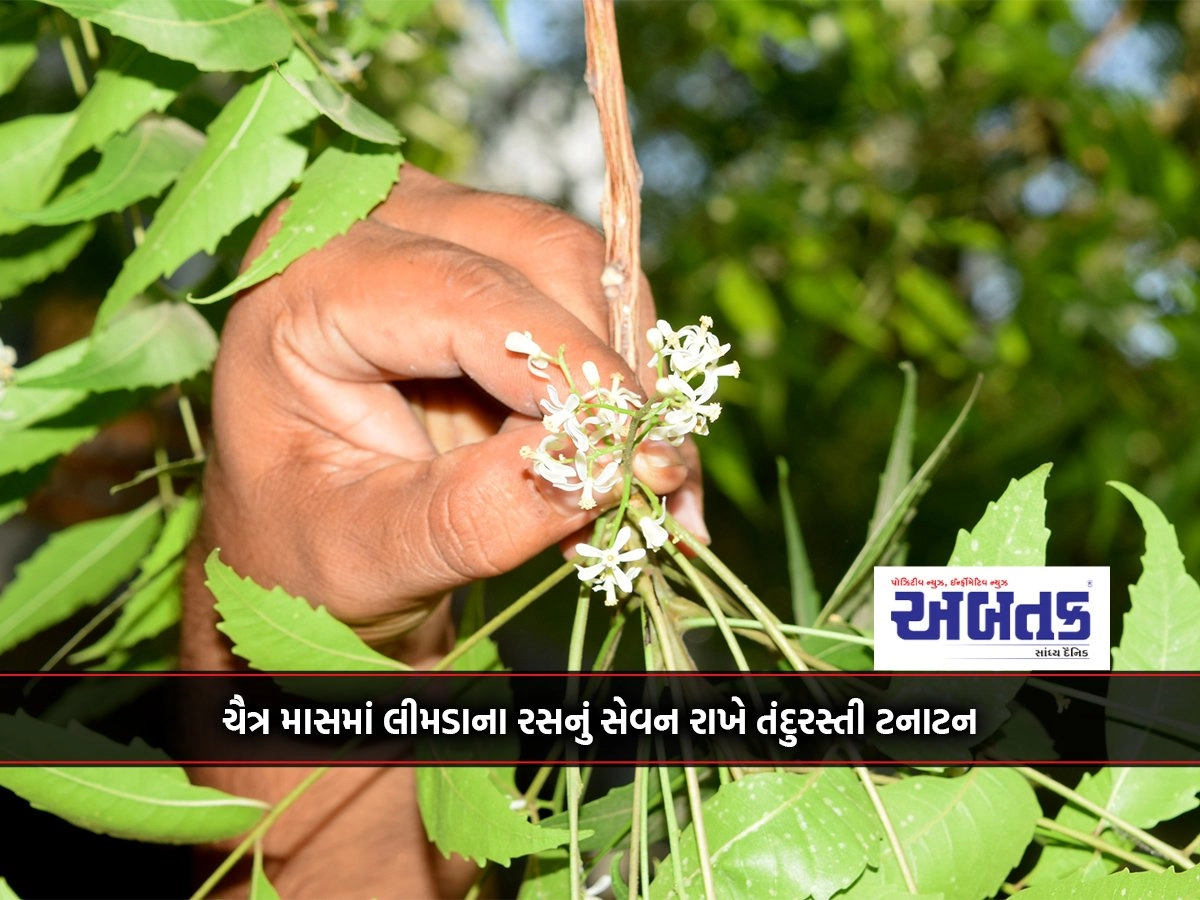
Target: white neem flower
{"x": 523, "y": 342}
{"x": 653, "y": 531}
{"x": 559, "y": 413}
{"x": 608, "y": 575}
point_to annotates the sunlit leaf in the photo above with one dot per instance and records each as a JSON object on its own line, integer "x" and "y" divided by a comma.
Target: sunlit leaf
{"x": 133, "y": 166}
{"x": 823, "y": 819}
{"x": 947, "y": 828}
{"x": 336, "y": 104}
{"x": 154, "y": 597}
{"x": 469, "y": 811}
{"x": 150, "y": 347}
{"x": 337, "y": 190}
{"x": 247, "y": 163}
{"x": 278, "y": 632}
{"x": 28, "y": 147}
{"x": 214, "y": 35}
{"x": 1123, "y": 886}
{"x": 1013, "y": 529}
{"x": 25, "y": 406}
{"x": 138, "y": 802}
{"x": 75, "y": 567}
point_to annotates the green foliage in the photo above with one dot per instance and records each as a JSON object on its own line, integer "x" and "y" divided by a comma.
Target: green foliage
{"x": 824, "y": 819}
{"x": 1142, "y": 885}
{"x": 947, "y": 830}
{"x": 76, "y": 567}
{"x": 247, "y": 162}
{"x": 140, "y": 803}
{"x": 214, "y": 35}
{"x": 1012, "y": 531}
{"x": 278, "y": 632}
{"x": 340, "y": 188}
{"x": 469, "y": 811}
{"x": 340, "y": 107}
{"x": 37, "y": 253}
{"x": 151, "y": 347}
{"x": 135, "y": 165}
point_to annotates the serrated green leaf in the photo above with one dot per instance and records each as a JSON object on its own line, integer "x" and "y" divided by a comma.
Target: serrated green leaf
{"x": 1123, "y": 886}
{"x": 18, "y": 42}
{"x": 246, "y": 164}
{"x": 214, "y": 35}
{"x": 75, "y": 567}
{"x": 37, "y": 253}
{"x": 136, "y": 802}
{"x": 337, "y": 190}
{"x": 26, "y": 406}
{"x": 28, "y": 148}
{"x": 337, "y": 105}
{"x": 133, "y": 166}
{"x": 547, "y": 876}
{"x": 131, "y": 85}
{"x": 1013, "y": 529}
{"x": 948, "y": 830}
{"x": 1062, "y": 858}
{"x": 278, "y": 632}
{"x": 823, "y": 819}
{"x": 22, "y": 450}
{"x": 468, "y": 811}
{"x": 154, "y": 597}
{"x": 607, "y": 818}
{"x": 151, "y": 347}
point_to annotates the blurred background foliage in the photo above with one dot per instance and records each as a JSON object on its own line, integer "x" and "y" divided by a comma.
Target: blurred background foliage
{"x": 1003, "y": 188}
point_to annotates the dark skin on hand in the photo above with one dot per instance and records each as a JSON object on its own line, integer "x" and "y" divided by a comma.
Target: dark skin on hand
{"x": 368, "y": 423}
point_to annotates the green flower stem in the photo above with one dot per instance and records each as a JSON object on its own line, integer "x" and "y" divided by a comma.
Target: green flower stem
{"x": 801, "y": 630}
{"x": 718, "y": 615}
{"x": 504, "y": 616}
{"x": 695, "y": 803}
{"x": 1100, "y": 845}
{"x": 574, "y": 782}
{"x": 190, "y": 429}
{"x": 258, "y": 831}
{"x": 756, "y": 607}
{"x": 1193, "y": 848}
{"x": 639, "y": 854}
{"x": 672, "y": 823}
{"x": 864, "y": 775}
{"x": 1166, "y": 851}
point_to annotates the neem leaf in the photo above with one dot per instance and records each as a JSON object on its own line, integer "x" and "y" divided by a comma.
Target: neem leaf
{"x": 133, "y": 166}
{"x": 24, "y": 406}
{"x": 547, "y": 876}
{"x": 22, "y": 450}
{"x": 28, "y": 147}
{"x": 248, "y": 162}
{"x": 814, "y": 833}
{"x": 467, "y": 811}
{"x": 146, "y": 803}
{"x": 333, "y": 102}
{"x": 75, "y": 567}
{"x": 1123, "y": 886}
{"x": 337, "y": 190}
{"x": 36, "y": 253}
{"x": 1012, "y": 531}
{"x": 278, "y": 632}
{"x": 131, "y": 85}
{"x": 150, "y": 347}
{"x": 214, "y": 35}
{"x": 18, "y": 49}
{"x": 948, "y": 830}
{"x": 260, "y": 886}
{"x": 6, "y": 892}
{"x": 154, "y": 597}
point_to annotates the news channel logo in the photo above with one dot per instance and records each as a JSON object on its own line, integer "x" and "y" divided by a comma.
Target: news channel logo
{"x": 992, "y": 618}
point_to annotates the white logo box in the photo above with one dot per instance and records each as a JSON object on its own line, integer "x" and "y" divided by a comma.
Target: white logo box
{"x": 992, "y": 618}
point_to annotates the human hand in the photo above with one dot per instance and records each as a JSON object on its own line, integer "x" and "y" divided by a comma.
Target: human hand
{"x": 368, "y": 420}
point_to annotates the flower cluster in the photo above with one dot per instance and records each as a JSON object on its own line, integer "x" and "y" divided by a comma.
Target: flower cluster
{"x": 593, "y": 431}
{"x": 8, "y": 360}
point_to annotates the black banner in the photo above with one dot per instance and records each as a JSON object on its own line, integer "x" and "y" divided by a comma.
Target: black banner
{"x": 509, "y": 718}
